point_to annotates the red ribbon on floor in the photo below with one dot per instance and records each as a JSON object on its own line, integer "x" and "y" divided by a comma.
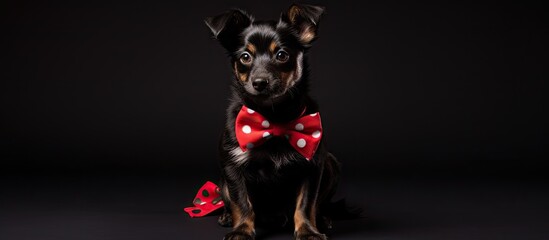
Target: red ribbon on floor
{"x": 207, "y": 200}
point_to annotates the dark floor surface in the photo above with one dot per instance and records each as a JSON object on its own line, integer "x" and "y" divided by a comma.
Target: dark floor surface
{"x": 136, "y": 206}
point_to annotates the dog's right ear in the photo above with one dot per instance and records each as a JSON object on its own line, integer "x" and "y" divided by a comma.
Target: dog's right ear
{"x": 226, "y": 28}
{"x": 304, "y": 20}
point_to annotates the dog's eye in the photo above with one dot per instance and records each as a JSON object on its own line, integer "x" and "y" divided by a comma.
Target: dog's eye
{"x": 245, "y": 58}
{"x": 282, "y": 56}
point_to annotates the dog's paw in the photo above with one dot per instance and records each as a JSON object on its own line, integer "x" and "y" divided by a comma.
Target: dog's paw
{"x": 310, "y": 236}
{"x": 225, "y": 220}
{"x": 235, "y": 235}
{"x": 307, "y": 232}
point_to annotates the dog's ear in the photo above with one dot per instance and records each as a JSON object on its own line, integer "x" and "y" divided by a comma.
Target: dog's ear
{"x": 227, "y": 27}
{"x": 304, "y": 19}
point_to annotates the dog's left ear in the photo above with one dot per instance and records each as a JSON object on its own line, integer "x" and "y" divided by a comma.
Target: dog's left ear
{"x": 226, "y": 28}
{"x": 304, "y": 19}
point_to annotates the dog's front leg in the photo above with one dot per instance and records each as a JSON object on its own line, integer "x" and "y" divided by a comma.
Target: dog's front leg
{"x": 241, "y": 211}
{"x": 306, "y": 210}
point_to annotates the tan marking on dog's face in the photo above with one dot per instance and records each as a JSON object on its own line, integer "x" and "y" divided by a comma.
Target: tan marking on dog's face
{"x": 241, "y": 76}
{"x": 251, "y": 48}
{"x": 272, "y": 47}
{"x": 288, "y": 78}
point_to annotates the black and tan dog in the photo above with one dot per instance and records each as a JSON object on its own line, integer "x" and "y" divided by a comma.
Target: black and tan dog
{"x": 272, "y": 181}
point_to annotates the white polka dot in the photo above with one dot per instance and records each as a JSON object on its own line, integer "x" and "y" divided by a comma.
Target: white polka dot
{"x": 299, "y": 127}
{"x": 250, "y": 111}
{"x": 265, "y": 124}
{"x": 266, "y": 134}
{"x": 249, "y": 145}
{"x": 313, "y": 114}
{"x": 301, "y": 143}
{"x": 316, "y": 134}
{"x": 246, "y": 129}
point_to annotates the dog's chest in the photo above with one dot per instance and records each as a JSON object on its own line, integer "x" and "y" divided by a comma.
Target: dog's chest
{"x": 273, "y": 160}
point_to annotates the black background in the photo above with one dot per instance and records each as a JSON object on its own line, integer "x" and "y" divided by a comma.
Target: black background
{"x": 111, "y": 113}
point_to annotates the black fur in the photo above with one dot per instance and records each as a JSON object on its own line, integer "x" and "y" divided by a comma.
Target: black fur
{"x": 272, "y": 183}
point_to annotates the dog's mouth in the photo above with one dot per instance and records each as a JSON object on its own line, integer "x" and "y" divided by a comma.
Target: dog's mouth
{"x": 274, "y": 89}
{"x": 270, "y": 97}
{"x": 267, "y": 95}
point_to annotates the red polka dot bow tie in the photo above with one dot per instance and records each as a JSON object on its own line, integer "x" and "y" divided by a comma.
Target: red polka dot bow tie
{"x": 304, "y": 133}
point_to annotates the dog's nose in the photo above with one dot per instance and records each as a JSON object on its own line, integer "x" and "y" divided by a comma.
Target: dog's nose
{"x": 260, "y": 84}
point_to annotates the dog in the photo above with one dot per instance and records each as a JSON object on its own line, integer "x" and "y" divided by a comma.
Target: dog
{"x": 273, "y": 179}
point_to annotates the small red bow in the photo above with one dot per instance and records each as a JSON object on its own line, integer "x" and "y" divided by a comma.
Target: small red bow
{"x": 207, "y": 200}
{"x": 304, "y": 133}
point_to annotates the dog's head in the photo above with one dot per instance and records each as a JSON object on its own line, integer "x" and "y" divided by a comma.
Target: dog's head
{"x": 267, "y": 56}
